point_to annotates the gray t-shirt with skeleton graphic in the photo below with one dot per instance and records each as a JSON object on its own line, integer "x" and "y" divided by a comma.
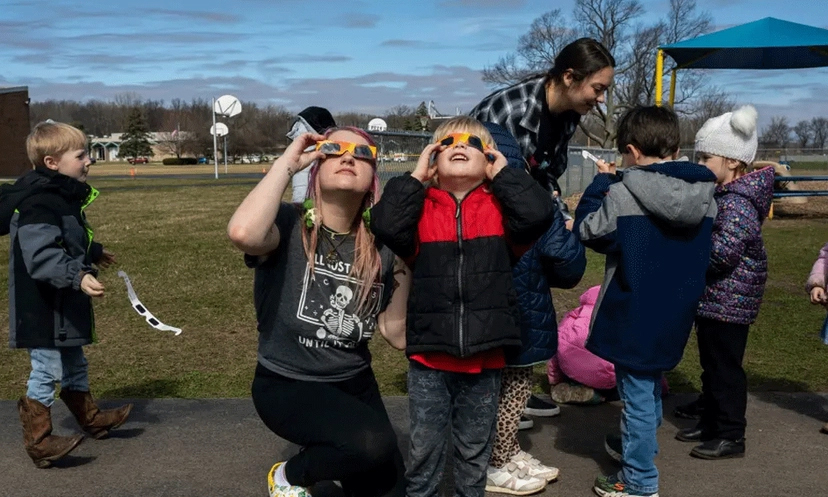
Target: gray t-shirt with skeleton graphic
{"x": 308, "y": 327}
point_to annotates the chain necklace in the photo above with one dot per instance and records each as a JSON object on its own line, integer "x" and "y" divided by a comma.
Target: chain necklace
{"x": 335, "y": 240}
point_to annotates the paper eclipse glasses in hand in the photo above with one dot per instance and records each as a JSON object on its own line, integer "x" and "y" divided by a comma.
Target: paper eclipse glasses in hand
{"x": 140, "y": 309}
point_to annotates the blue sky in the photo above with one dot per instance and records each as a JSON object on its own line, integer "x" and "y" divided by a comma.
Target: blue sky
{"x": 365, "y": 56}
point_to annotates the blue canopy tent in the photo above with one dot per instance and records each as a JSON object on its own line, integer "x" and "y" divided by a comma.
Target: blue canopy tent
{"x": 768, "y": 43}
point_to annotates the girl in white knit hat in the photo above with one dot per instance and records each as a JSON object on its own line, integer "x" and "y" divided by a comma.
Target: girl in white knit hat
{"x": 735, "y": 281}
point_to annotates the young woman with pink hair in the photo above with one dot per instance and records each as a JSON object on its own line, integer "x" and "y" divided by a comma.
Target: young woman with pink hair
{"x": 323, "y": 286}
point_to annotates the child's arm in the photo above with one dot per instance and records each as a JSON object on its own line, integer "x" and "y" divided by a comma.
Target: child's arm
{"x": 252, "y": 229}
{"x": 100, "y": 256}
{"x": 391, "y": 321}
{"x": 394, "y": 218}
{"x": 41, "y": 245}
{"x": 561, "y": 254}
{"x": 528, "y": 209}
{"x": 736, "y": 222}
{"x": 817, "y": 277}
{"x": 596, "y": 216}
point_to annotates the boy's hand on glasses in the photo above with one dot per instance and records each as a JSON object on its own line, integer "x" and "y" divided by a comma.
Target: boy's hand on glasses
{"x": 494, "y": 166}
{"x": 295, "y": 155}
{"x": 91, "y": 286}
{"x": 818, "y": 295}
{"x": 426, "y": 167}
{"x": 107, "y": 259}
{"x": 605, "y": 167}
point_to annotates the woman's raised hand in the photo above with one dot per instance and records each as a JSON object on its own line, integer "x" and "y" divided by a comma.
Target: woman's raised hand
{"x": 295, "y": 155}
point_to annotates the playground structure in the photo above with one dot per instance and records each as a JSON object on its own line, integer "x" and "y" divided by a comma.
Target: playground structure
{"x": 768, "y": 43}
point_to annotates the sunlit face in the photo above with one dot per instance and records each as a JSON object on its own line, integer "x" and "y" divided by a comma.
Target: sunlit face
{"x": 344, "y": 172}
{"x": 72, "y": 163}
{"x": 587, "y": 94}
{"x": 460, "y": 160}
{"x": 726, "y": 170}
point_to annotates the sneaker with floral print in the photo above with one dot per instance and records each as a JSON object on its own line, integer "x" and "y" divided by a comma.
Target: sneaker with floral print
{"x": 283, "y": 490}
{"x": 612, "y": 486}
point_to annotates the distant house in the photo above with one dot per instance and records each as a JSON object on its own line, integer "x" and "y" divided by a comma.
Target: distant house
{"x": 107, "y": 148}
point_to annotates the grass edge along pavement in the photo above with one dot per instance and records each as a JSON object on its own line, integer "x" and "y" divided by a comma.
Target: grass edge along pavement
{"x": 170, "y": 238}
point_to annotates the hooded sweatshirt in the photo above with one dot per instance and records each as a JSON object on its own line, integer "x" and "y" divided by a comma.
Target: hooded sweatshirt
{"x": 654, "y": 224}
{"x": 738, "y": 262}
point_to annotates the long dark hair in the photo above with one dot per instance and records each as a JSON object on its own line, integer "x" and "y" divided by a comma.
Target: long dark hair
{"x": 583, "y": 57}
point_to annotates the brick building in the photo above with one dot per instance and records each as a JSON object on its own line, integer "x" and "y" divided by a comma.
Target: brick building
{"x": 14, "y": 127}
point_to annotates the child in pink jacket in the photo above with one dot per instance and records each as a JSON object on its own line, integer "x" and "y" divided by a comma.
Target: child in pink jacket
{"x": 577, "y": 375}
{"x": 574, "y": 362}
{"x": 816, "y": 287}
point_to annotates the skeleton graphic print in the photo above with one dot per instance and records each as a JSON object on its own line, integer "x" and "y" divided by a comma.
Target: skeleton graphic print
{"x": 328, "y": 301}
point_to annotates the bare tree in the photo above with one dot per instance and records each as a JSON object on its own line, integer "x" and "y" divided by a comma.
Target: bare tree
{"x": 803, "y": 133}
{"x": 778, "y": 132}
{"x": 399, "y": 117}
{"x": 536, "y": 50}
{"x": 819, "y": 128}
{"x": 637, "y": 83}
{"x": 711, "y": 102}
{"x": 613, "y": 23}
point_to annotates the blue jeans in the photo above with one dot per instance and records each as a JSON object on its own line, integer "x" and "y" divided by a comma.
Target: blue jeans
{"x": 64, "y": 365}
{"x": 640, "y": 418}
{"x": 445, "y": 405}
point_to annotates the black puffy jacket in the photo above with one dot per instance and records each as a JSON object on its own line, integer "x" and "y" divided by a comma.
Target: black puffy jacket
{"x": 462, "y": 301}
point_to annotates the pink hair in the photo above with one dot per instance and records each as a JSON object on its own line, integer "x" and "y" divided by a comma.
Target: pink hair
{"x": 367, "y": 262}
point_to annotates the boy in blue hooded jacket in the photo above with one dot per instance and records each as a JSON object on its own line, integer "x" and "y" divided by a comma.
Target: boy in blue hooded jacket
{"x": 654, "y": 222}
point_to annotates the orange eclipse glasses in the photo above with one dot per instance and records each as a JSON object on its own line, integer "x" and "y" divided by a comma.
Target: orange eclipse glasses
{"x": 358, "y": 150}
{"x": 471, "y": 140}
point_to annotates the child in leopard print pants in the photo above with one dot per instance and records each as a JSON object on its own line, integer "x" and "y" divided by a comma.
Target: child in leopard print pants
{"x": 558, "y": 260}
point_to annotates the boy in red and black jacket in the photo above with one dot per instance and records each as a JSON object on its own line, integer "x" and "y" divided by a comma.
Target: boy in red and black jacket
{"x": 461, "y": 238}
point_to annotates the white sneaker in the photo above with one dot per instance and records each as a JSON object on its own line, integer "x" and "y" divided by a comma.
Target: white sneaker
{"x": 275, "y": 490}
{"x": 510, "y": 479}
{"x": 533, "y": 467}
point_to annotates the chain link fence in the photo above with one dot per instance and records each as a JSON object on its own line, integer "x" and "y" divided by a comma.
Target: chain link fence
{"x": 397, "y": 151}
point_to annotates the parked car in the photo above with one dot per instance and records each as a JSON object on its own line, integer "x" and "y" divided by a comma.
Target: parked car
{"x": 202, "y": 160}
{"x": 138, "y": 160}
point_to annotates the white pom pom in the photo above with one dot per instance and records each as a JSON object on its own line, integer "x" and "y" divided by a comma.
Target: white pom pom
{"x": 744, "y": 120}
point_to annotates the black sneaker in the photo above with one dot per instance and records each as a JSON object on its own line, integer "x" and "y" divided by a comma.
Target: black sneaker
{"x": 540, "y": 407}
{"x": 526, "y": 423}
{"x": 612, "y": 444}
{"x": 692, "y": 410}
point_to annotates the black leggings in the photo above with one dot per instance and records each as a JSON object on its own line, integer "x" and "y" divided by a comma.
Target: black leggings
{"x": 342, "y": 427}
{"x": 724, "y": 383}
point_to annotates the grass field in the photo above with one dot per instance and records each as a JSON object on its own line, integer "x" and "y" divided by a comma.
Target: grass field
{"x": 169, "y": 236}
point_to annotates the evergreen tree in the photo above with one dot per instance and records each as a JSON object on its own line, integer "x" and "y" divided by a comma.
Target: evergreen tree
{"x": 135, "y": 141}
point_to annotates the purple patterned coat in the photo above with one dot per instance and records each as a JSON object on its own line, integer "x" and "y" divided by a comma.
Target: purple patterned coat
{"x": 738, "y": 262}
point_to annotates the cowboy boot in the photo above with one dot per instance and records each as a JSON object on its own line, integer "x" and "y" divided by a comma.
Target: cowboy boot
{"x": 95, "y": 422}
{"x": 41, "y": 445}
